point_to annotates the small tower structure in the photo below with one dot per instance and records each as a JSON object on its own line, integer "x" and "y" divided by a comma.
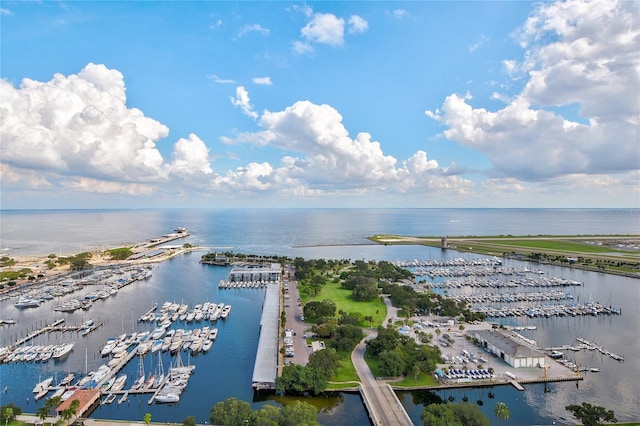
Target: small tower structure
{"x": 443, "y": 243}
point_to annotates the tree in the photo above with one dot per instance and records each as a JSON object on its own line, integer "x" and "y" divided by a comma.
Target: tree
{"x": 68, "y": 413}
{"x": 460, "y": 414}
{"x": 314, "y": 311}
{"x": 300, "y": 413}
{"x": 7, "y": 414}
{"x": 42, "y": 412}
{"x": 326, "y": 360}
{"x": 439, "y": 415}
{"x": 369, "y": 319}
{"x": 231, "y": 412}
{"x": 501, "y": 410}
{"x": 415, "y": 370}
{"x": 470, "y": 414}
{"x": 365, "y": 292}
{"x": 189, "y": 421}
{"x": 52, "y": 403}
{"x": 147, "y": 419}
{"x": 268, "y": 415}
{"x": 590, "y": 415}
{"x": 391, "y": 363}
{"x": 300, "y": 379}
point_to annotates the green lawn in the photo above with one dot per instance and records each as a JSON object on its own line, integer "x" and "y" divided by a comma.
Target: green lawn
{"x": 342, "y": 298}
{"x": 423, "y": 379}
{"x": 568, "y": 246}
{"x": 373, "y": 364}
{"x": 346, "y": 372}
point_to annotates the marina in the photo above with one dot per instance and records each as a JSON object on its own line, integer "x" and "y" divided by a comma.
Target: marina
{"x": 122, "y": 349}
{"x": 183, "y": 278}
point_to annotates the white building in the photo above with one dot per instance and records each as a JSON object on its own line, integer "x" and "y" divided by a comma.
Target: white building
{"x": 506, "y": 348}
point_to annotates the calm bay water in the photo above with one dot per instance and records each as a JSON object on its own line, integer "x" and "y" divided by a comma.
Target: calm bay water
{"x": 318, "y": 233}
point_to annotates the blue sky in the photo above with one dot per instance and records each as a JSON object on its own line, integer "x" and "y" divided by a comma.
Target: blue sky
{"x": 319, "y": 104}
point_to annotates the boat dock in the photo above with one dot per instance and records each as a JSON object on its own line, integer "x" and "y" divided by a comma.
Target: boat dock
{"x": 36, "y": 333}
{"x": 149, "y": 312}
{"x": 592, "y": 346}
{"x": 77, "y": 328}
{"x": 516, "y": 385}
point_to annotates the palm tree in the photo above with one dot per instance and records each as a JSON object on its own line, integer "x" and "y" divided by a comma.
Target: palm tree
{"x": 416, "y": 371}
{"x": 147, "y": 419}
{"x": 501, "y": 410}
{"x": 8, "y": 413}
{"x": 43, "y": 412}
{"x": 71, "y": 411}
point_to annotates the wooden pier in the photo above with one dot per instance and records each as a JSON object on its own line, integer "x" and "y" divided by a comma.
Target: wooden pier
{"x": 153, "y": 308}
{"x": 516, "y": 385}
{"x": 36, "y": 333}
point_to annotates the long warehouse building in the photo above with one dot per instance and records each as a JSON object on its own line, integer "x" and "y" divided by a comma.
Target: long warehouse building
{"x": 265, "y": 369}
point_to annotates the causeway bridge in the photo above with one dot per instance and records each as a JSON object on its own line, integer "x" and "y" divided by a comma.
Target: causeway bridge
{"x": 382, "y": 403}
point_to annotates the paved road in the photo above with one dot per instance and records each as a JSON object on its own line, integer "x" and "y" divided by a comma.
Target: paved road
{"x": 381, "y": 400}
{"x": 293, "y": 312}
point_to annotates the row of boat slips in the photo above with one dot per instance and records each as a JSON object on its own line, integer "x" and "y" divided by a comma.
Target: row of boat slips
{"x": 459, "y": 262}
{"x": 172, "y": 312}
{"x": 467, "y": 282}
{"x": 110, "y": 279}
{"x": 160, "y": 340}
{"x": 35, "y": 353}
{"x": 473, "y": 271}
{"x": 24, "y": 351}
{"x": 226, "y": 284}
{"x": 512, "y": 297}
{"x": 124, "y": 348}
{"x": 75, "y": 304}
{"x": 548, "y": 310}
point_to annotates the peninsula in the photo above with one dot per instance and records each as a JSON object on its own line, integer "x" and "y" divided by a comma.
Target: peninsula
{"x": 614, "y": 254}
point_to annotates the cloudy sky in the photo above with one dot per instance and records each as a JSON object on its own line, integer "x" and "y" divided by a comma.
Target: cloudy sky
{"x": 319, "y": 104}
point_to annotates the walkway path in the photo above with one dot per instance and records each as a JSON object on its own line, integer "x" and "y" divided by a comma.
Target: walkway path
{"x": 381, "y": 401}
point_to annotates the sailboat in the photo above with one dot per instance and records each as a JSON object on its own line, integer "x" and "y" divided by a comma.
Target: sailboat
{"x": 140, "y": 381}
{"x": 159, "y": 373}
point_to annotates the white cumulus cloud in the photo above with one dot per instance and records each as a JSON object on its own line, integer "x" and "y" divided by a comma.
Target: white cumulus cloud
{"x": 242, "y": 101}
{"x": 328, "y": 159}
{"x": 357, "y": 25}
{"x": 324, "y": 28}
{"x": 265, "y": 81}
{"x": 190, "y": 157}
{"x": 578, "y": 53}
{"x": 76, "y": 132}
{"x": 79, "y": 124}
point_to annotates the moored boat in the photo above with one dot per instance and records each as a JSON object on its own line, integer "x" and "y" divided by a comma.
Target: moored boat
{"x": 164, "y": 398}
{"x": 42, "y": 385}
{"x": 119, "y": 383}
{"x": 62, "y": 350}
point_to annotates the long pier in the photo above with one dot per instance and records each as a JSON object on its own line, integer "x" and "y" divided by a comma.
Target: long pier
{"x": 37, "y": 332}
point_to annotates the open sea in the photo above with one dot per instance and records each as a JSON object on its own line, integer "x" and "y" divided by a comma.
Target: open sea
{"x": 311, "y": 233}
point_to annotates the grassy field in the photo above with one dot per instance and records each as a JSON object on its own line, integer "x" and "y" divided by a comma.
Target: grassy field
{"x": 555, "y": 245}
{"x": 423, "y": 379}
{"x": 343, "y": 300}
{"x": 346, "y": 376}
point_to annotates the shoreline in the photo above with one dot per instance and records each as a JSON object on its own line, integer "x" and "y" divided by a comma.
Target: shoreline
{"x": 177, "y": 251}
{"x": 595, "y": 253}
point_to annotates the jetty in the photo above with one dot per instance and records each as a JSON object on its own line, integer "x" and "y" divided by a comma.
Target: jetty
{"x": 592, "y": 346}
{"x": 36, "y": 333}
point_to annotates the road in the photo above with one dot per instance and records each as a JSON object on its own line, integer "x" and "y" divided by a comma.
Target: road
{"x": 293, "y": 310}
{"x": 381, "y": 400}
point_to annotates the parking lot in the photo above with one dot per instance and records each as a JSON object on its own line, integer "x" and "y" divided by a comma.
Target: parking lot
{"x": 298, "y": 353}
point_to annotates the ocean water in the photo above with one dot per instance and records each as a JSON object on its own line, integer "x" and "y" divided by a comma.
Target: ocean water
{"x": 315, "y": 233}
